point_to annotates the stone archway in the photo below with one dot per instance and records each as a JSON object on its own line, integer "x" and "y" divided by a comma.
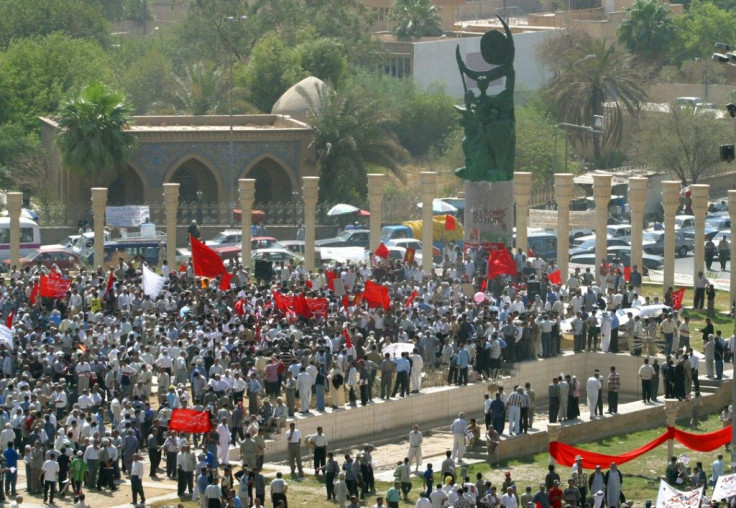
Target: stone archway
{"x": 273, "y": 181}
{"x": 126, "y": 188}
{"x": 194, "y": 176}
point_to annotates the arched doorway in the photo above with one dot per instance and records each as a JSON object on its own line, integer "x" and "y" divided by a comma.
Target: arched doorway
{"x": 126, "y": 188}
{"x": 272, "y": 181}
{"x": 194, "y": 176}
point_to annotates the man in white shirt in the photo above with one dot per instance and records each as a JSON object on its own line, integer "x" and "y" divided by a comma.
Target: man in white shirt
{"x": 136, "y": 479}
{"x": 508, "y": 500}
{"x": 50, "y": 472}
{"x": 415, "y": 448}
{"x": 592, "y": 386}
{"x": 458, "y": 428}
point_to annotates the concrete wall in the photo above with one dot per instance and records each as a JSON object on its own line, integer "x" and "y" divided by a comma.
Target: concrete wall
{"x": 667, "y": 92}
{"x": 434, "y": 62}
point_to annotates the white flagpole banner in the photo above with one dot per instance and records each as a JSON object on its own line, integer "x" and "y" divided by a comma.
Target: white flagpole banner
{"x": 725, "y": 487}
{"x": 669, "y": 497}
{"x": 152, "y": 284}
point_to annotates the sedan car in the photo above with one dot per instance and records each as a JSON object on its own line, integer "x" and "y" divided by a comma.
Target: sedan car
{"x": 350, "y": 238}
{"x": 226, "y": 238}
{"x": 650, "y": 261}
{"x": 588, "y": 246}
{"x": 653, "y": 243}
{"x": 718, "y": 222}
{"x": 276, "y": 255}
{"x": 689, "y": 232}
{"x": 48, "y": 256}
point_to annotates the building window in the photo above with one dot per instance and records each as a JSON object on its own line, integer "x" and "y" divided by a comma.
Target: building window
{"x": 398, "y": 66}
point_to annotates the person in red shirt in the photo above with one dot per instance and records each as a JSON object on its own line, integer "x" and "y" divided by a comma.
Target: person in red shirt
{"x": 556, "y": 495}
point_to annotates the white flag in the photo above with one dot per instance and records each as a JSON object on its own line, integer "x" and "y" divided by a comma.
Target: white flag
{"x": 669, "y": 497}
{"x": 152, "y": 283}
{"x": 6, "y": 336}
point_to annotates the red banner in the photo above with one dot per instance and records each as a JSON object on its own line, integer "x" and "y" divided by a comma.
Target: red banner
{"x": 53, "y": 286}
{"x": 500, "y": 262}
{"x": 376, "y": 295}
{"x": 190, "y": 421}
{"x": 317, "y": 306}
{"x": 677, "y": 297}
{"x": 565, "y": 454}
{"x": 207, "y": 262}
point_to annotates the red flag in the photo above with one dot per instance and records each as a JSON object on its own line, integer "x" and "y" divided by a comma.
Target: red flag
{"x": 500, "y": 262}
{"x": 190, "y": 421}
{"x": 677, "y": 297}
{"x": 381, "y": 251}
{"x": 9, "y": 319}
{"x": 239, "y": 307}
{"x": 183, "y": 268}
{"x": 346, "y": 334}
{"x": 258, "y": 333}
{"x": 225, "y": 281}
{"x": 409, "y": 256}
{"x": 411, "y": 298}
{"x": 483, "y": 284}
{"x": 627, "y": 273}
{"x": 529, "y": 253}
{"x": 450, "y": 223}
{"x": 345, "y": 301}
{"x": 330, "y": 276}
{"x": 53, "y": 286}
{"x": 358, "y": 299}
{"x": 301, "y": 308}
{"x": 110, "y": 281}
{"x": 207, "y": 263}
{"x": 376, "y": 295}
{"x": 555, "y": 277}
{"x": 34, "y": 293}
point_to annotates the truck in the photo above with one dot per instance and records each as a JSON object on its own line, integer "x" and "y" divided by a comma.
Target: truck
{"x": 413, "y": 229}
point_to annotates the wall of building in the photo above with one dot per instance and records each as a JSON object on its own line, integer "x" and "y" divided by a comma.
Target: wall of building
{"x": 434, "y": 62}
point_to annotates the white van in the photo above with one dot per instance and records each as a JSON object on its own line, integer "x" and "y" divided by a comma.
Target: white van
{"x": 30, "y": 237}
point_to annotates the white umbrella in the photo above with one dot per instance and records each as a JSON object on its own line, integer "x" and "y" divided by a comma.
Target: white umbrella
{"x": 439, "y": 206}
{"x": 342, "y": 209}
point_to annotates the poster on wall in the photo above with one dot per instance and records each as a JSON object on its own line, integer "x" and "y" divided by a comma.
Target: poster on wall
{"x": 489, "y": 215}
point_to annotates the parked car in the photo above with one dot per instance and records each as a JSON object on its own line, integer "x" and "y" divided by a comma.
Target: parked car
{"x": 588, "y": 246}
{"x": 684, "y": 221}
{"x": 613, "y": 231}
{"x": 650, "y": 261}
{"x": 350, "y": 238}
{"x": 543, "y": 245}
{"x": 653, "y": 243}
{"x": 48, "y": 256}
{"x": 226, "y": 238}
{"x": 413, "y": 243}
{"x": 719, "y": 222}
{"x": 276, "y": 255}
{"x": 689, "y": 232}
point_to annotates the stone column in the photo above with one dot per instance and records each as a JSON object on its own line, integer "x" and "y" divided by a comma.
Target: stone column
{"x": 310, "y": 190}
{"x": 522, "y": 193}
{"x": 602, "y": 196}
{"x": 15, "y": 203}
{"x": 732, "y": 214}
{"x": 553, "y": 434}
{"x": 670, "y": 202}
{"x": 171, "y": 203}
{"x": 99, "y": 204}
{"x": 247, "y": 196}
{"x": 637, "y": 200}
{"x": 428, "y": 190}
{"x": 563, "y": 195}
{"x": 375, "y": 198}
{"x": 700, "y": 209}
{"x": 670, "y": 411}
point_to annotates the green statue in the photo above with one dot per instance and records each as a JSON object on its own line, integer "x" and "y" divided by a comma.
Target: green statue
{"x": 490, "y": 136}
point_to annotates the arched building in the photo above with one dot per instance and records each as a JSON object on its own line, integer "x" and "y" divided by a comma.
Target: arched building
{"x": 205, "y": 154}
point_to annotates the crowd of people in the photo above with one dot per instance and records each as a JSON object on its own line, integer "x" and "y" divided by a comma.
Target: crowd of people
{"x": 89, "y": 381}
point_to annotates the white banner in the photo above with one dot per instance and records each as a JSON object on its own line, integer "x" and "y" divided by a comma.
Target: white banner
{"x": 670, "y": 497}
{"x": 725, "y": 487}
{"x": 153, "y": 284}
{"x": 684, "y": 280}
{"x": 6, "y": 336}
{"x": 128, "y": 216}
{"x": 547, "y": 219}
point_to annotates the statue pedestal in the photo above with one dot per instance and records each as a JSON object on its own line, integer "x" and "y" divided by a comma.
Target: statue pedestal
{"x": 489, "y": 214}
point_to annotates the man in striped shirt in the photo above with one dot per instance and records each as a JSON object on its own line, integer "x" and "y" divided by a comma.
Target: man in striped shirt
{"x": 614, "y": 383}
{"x": 513, "y": 406}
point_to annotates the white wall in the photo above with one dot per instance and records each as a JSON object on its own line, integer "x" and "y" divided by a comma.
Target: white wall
{"x": 434, "y": 62}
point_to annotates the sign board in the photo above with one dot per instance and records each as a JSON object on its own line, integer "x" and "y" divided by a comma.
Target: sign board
{"x": 725, "y": 487}
{"x": 547, "y": 219}
{"x": 489, "y": 213}
{"x": 128, "y": 216}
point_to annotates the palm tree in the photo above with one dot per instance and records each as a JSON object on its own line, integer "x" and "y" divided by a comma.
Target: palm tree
{"x": 352, "y": 131}
{"x": 417, "y": 18}
{"x": 199, "y": 90}
{"x": 591, "y": 78}
{"x": 648, "y": 30}
{"x": 93, "y": 137}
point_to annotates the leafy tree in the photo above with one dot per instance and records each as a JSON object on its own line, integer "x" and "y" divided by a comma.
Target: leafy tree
{"x": 582, "y": 85}
{"x": 93, "y": 136}
{"x": 425, "y": 120}
{"x": 324, "y": 59}
{"x": 29, "y": 18}
{"x": 648, "y": 31}
{"x": 685, "y": 141}
{"x": 352, "y": 131}
{"x": 200, "y": 90}
{"x": 148, "y": 81}
{"x": 36, "y": 74}
{"x": 417, "y": 18}
{"x": 702, "y": 26}
{"x": 273, "y": 69}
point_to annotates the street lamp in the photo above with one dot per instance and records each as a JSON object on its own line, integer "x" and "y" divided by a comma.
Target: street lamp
{"x": 199, "y": 206}
{"x": 596, "y": 129}
{"x": 231, "y": 19}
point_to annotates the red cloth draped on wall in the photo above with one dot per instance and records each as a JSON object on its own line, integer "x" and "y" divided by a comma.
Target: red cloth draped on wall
{"x": 565, "y": 454}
